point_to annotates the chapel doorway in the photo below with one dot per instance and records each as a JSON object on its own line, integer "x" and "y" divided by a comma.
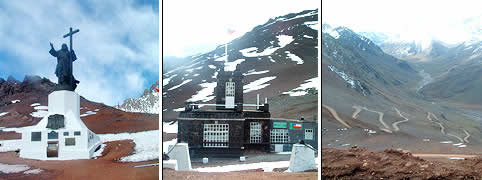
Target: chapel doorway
{"x": 53, "y": 149}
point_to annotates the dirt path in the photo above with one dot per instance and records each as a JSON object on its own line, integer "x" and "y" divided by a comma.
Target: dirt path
{"x": 445, "y": 155}
{"x": 380, "y": 118}
{"x": 466, "y": 138}
{"x": 395, "y": 124}
{"x": 455, "y": 136}
{"x": 357, "y": 110}
{"x": 333, "y": 112}
{"x": 442, "y": 128}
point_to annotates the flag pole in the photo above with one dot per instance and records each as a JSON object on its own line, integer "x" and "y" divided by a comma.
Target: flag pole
{"x": 226, "y": 50}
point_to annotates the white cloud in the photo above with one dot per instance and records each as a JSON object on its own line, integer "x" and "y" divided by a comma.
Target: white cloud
{"x": 116, "y": 46}
{"x": 199, "y": 26}
{"x": 411, "y": 19}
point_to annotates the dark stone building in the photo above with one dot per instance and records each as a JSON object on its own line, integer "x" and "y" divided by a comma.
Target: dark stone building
{"x": 230, "y": 130}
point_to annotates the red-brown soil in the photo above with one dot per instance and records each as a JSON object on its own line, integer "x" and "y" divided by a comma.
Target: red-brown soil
{"x": 105, "y": 167}
{"x": 168, "y": 174}
{"x": 356, "y": 163}
{"x": 110, "y": 120}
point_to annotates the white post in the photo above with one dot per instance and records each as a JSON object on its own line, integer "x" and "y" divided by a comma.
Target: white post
{"x": 257, "y": 99}
{"x": 266, "y": 100}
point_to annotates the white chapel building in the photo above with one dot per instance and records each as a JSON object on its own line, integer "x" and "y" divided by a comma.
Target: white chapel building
{"x": 61, "y": 135}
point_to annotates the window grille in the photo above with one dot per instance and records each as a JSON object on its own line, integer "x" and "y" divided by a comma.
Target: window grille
{"x": 255, "y": 132}
{"x": 216, "y": 135}
{"x": 229, "y": 88}
{"x": 279, "y": 136}
{"x": 309, "y": 134}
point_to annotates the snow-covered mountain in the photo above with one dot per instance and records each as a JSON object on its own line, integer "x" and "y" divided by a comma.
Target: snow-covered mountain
{"x": 147, "y": 103}
{"x": 278, "y": 58}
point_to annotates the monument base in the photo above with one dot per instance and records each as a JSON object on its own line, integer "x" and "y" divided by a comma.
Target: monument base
{"x": 302, "y": 158}
{"x": 61, "y": 135}
{"x": 180, "y": 152}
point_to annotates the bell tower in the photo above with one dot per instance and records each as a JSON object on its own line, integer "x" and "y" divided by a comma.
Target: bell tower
{"x": 229, "y": 89}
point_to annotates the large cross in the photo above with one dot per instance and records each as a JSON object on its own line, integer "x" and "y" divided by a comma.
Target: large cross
{"x": 71, "y": 33}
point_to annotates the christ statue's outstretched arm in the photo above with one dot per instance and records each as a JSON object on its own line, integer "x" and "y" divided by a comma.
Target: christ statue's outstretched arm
{"x": 52, "y": 51}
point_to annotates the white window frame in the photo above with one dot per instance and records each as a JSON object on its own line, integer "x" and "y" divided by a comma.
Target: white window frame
{"x": 230, "y": 86}
{"x": 255, "y": 132}
{"x": 279, "y": 136}
{"x": 309, "y": 134}
{"x": 216, "y": 135}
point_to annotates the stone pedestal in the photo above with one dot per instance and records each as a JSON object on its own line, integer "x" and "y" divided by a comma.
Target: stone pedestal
{"x": 302, "y": 158}
{"x": 61, "y": 135}
{"x": 171, "y": 164}
{"x": 180, "y": 152}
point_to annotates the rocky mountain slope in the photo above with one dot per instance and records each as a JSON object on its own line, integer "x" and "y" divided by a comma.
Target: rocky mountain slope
{"x": 372, "y": 99}
{"x": 147, "y": 103}
{"x": 279, "y": 61}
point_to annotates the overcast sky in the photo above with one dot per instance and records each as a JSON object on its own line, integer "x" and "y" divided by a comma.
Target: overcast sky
{"x": 192, "y": 27}
{"x": 448, "y": 21}
{"x": 117, "y": 46}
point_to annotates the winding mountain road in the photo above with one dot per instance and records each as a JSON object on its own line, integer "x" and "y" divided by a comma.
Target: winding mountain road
{"x": 395, "y": 124}
{"x": 453, "y": 135}
{"x": 333, "y": 112}
{"x": 380, "y": 117}
{"x": 357, "y": 110}
{"x": 442, "y": 128}
{"x": 466, "y": 138}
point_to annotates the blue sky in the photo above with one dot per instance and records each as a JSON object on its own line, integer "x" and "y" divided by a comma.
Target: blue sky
{"x": 117, "y": 46}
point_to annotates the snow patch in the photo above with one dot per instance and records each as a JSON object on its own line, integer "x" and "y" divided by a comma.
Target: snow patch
{"x": 283, "y": 40}
{"x": 3, "y": 114}
{"x": 266, "y": 166}
{"x": 16, "y": 168}
{"x": 306, "y": 36}
{"x": 10, "y": 145}
{"x": 231, "y": 66}
{"x": 166, "y": 80}
{"x": 39, "y": 114}
{"x": 179, "y": 109}
{"x": 456, "y": 158}
{"x": 35, "y": 104}
{"x": 314, "y": 25}
{"x": 258, "y": 84}
{"x": 98, "y": 153}
{"x": 294, "y": 58}
{"x": 184, "y": 82}
{"x": 15, "y": 101}
{"x": 223, "y": 58}
{"x": 253, "y": 71}
{"x": 169, "y": 127}
{"x": 87, "y": 113}
{"x": 146, "y": 144}
{"x": 301, "y": 91}
{"x": 41, "y": 108}
{"x": 33, "y": 171}
{"x": 205, "y": 94}
{"x": 212, "y": 66}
